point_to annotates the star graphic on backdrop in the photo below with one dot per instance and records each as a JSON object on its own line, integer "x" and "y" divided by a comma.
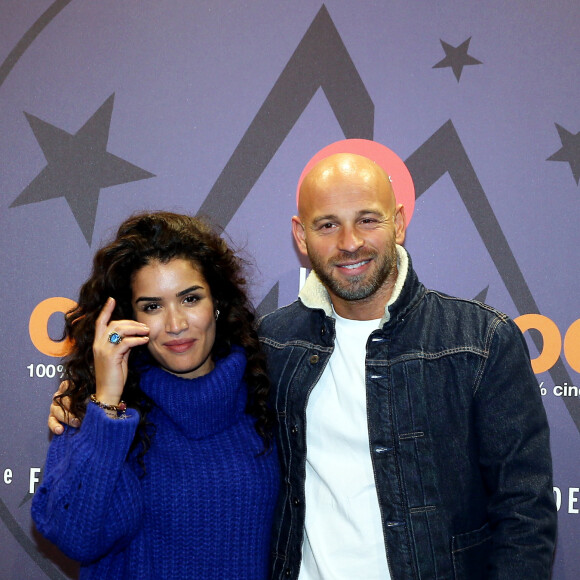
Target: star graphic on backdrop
{"x": 569, "y": 152}
{"x": 456, "y": 57}
{"x": 79, "y": 166}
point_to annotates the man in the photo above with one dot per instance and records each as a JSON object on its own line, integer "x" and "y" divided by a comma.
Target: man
{"x": 413, "y": 439}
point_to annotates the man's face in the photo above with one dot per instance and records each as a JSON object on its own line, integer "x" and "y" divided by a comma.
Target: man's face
{"x": 349, "y": 226}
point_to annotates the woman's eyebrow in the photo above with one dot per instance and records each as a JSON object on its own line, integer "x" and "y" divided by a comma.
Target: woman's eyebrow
{"x": 188, "y": 290}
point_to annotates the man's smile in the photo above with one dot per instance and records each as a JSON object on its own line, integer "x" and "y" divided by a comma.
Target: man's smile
{"x": 355, "y": 265}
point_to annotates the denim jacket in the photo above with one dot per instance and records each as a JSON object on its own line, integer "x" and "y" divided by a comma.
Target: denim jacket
{"x": 458, "y": 435}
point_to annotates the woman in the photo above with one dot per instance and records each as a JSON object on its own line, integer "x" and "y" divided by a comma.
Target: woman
{"x": 172, "y": 472}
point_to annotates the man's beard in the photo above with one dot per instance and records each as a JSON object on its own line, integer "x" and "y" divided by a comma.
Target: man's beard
{"x": 356, "y": 287}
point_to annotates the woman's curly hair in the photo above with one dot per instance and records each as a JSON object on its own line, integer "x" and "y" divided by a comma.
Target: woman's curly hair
{"x": 163, "y": 236}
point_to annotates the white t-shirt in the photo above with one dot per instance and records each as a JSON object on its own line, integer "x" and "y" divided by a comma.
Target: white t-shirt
{"x": 343, "y": 533}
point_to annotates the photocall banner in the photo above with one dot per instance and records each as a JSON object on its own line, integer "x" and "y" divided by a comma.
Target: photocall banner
{"x": 214, "y": 108}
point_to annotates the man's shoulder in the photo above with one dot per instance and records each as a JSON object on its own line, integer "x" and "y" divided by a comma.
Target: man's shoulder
{"x": 282, "y": 313}
{"x": 464, "y": 318}
{"x": 463, "y": 306}
{"x": 285, "y": 321}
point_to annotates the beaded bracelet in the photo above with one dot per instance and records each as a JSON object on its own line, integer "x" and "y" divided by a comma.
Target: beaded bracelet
{"x": 119, "y": 409}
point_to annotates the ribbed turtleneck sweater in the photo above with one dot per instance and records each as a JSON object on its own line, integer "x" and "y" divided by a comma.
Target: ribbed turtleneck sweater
{"x": 202, "y": 510}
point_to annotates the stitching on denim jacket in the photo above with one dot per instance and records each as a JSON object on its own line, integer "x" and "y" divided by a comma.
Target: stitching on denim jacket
{"x": 413, "y": 435}
{"x": 431, "y": 355}
{"x": 488, "y": 343}
{"x": 300, "y": 343}
{"x": 457, "y": 550}
{"x": 422, "y": 509}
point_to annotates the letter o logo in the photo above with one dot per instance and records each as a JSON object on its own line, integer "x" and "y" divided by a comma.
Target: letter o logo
{"x": 550, "y": 335}
{"x": 38, "y": 326}
{"x": 572, "y": 345}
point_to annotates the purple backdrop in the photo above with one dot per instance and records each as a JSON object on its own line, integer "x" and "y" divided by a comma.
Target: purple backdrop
{"x": 215, "y": 107}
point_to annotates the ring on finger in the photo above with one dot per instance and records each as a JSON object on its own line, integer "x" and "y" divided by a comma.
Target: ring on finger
{"x": 115, "y": 338}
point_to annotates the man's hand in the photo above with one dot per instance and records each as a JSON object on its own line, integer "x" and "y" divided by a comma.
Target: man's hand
{"x": 57, "y": 414}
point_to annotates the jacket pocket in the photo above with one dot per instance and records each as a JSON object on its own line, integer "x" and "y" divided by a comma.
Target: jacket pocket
{"x": 470, "y": 552}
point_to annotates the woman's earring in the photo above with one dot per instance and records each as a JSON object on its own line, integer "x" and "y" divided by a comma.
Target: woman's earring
{"x": 217, "y": 313}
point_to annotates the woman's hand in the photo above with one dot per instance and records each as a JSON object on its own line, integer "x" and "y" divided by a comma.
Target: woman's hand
{"x": 111, "y": 360}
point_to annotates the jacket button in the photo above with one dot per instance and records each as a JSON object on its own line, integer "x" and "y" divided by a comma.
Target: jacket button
{"x": 288, "y": 572}
{"x": 323, "y": 331}
{"x": 296, "y": 501}
{"x": 314, "y": 359}
{"x": 294, "y": 429}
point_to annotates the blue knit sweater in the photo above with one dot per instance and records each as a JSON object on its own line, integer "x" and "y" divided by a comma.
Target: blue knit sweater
{"x": 203, "y": 509}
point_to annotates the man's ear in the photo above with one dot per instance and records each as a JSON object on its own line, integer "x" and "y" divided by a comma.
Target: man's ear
{"x": 299, "y": 235}
{"x": 400, "y": 224}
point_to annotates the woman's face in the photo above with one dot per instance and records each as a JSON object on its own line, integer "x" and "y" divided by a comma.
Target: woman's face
{"x": 175, "y": 302}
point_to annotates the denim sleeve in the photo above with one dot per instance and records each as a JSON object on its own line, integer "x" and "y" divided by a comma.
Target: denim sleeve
{"x": 515, "y": 459}
{"x": 89, "y": 502}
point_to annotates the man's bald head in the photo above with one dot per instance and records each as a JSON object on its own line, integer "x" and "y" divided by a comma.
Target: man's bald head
{"x": 345, "y": 168}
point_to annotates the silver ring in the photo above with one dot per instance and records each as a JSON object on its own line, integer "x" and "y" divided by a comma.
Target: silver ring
{"x": 115, "y": 338}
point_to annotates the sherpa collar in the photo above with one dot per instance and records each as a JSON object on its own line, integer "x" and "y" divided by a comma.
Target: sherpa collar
{"x": 314, "y": 295}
